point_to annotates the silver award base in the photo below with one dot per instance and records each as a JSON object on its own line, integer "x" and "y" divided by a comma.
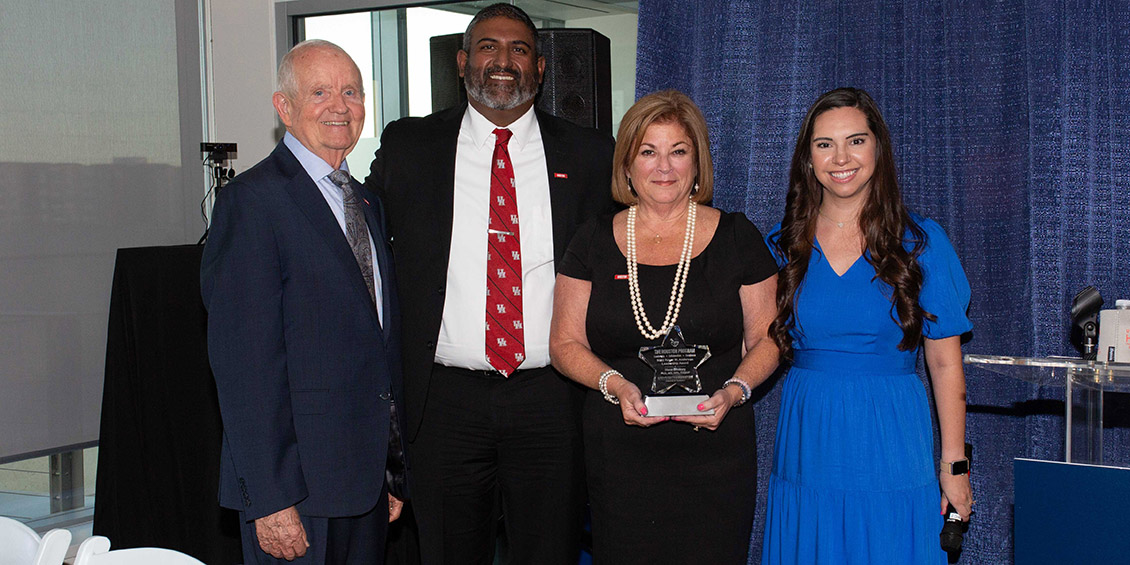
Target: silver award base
{"x": 676, "y": 405}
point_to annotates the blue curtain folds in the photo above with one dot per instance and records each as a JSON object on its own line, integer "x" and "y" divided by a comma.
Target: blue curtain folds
{"x": 1011, "y": 128}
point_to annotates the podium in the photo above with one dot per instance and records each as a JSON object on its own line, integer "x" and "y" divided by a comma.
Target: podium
{"x": 1070, "y": 511}
{"x": 1084, "y": 381}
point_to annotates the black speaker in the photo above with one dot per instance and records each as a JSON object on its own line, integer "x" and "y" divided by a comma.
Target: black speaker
{"x": 577, "y": 85}
{"x": 447, "y": 86}
{"x": 578, "y": 78}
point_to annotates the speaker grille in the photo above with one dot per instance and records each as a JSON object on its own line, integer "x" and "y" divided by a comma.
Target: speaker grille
{"x": 578, "y": 81}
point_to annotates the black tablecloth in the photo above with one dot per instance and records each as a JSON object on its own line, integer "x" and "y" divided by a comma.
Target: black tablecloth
{"x": 159, "y": 443}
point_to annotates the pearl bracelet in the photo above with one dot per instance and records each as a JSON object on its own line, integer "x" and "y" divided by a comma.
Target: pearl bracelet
{"x": 603, "y": 385}
{"x": 746, "y": 392}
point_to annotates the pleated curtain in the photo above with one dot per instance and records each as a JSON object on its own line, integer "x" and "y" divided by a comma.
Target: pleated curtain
{"x": 1011, "y": 128}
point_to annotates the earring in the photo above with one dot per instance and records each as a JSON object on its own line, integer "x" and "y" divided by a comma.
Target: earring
{"x": 631, "y": 188}
{"x": 694, "y": 189}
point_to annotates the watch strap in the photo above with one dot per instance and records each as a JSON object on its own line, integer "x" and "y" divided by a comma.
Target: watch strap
{"x": 959, "y": 467}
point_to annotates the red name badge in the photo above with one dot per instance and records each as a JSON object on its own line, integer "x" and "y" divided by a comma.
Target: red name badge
{"x": 620, "y": 277}
{"x": 560, "y": 175}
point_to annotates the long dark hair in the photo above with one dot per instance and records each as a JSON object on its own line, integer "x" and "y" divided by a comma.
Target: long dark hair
{"x": 884, "y": 221}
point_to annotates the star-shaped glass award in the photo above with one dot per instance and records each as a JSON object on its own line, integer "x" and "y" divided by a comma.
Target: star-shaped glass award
{"x": 675, "y": 387}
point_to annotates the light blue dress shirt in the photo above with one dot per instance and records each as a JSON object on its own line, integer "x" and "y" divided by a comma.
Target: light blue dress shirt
{"x": 319, "y": 172}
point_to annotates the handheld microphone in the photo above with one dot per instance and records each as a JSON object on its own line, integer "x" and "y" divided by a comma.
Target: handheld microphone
{"x": 953, "y": 531}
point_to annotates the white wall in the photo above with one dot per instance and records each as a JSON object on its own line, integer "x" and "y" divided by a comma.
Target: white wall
{"x": 241, "y": 58}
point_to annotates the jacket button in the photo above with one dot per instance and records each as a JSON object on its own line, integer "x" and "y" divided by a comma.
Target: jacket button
{"x": 385, "y": 396}
{"x": 430, "y": 345}
{"x": 439, "y": 290}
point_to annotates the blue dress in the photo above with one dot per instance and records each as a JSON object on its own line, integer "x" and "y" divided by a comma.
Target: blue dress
{"x": 854, "y": 476}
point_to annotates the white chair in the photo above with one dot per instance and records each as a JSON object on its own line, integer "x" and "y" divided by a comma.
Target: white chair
{"x": 22, "y": 546}
{"x": 96, "y": 551}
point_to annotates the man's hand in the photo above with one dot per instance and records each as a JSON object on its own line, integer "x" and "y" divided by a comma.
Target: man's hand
{"x": 281, "y": 534}
{"x": 395, "y": 505}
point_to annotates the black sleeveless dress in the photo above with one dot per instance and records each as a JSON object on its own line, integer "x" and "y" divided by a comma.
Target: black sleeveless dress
{"x": 668, "y": 494}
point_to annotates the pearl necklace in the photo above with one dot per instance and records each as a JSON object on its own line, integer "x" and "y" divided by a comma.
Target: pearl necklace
{"x": 677, "y": 287}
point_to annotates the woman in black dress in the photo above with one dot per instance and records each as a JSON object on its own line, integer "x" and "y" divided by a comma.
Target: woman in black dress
{"x": 678, "y": 489}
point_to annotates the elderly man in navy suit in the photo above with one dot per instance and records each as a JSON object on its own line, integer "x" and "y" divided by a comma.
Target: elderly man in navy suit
{"x": 302, "y": 332}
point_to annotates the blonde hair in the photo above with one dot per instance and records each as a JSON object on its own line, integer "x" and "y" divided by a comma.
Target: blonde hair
{"x": 663, "y": 107}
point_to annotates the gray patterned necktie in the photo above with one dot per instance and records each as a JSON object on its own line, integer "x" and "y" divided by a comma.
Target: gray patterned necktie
{"x": 357, "y": 234}
{"x": 356, "y": 228}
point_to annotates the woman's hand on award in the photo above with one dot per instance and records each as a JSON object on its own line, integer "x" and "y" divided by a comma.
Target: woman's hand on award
{"x": 631, "y": 404}
{"x": 721, "y": 402}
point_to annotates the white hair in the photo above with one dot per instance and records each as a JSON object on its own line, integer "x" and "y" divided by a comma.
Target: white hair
{"x": 287, "y": 82}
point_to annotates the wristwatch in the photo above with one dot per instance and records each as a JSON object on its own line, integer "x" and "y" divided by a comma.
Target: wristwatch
{"x": 959, "y": 467}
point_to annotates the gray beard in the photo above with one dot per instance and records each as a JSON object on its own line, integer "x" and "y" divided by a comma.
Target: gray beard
{"x": 498, "y": 99}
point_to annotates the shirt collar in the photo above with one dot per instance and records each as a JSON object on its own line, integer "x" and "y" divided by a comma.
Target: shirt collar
{"x": 314, "y": 165}
{"x": 524, "y": 130}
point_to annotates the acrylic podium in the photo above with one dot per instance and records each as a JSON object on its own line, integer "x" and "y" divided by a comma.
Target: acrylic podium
{"x": 1069, "y": 511}
{"x": 1084, "y": 381}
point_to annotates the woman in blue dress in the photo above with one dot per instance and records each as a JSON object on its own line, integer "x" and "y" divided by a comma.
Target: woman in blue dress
{"x": 864, "y": 285}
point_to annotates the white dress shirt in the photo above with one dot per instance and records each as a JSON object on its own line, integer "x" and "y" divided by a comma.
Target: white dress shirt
{"x": 462, "y": 334}
{"x": 319, "y": 171}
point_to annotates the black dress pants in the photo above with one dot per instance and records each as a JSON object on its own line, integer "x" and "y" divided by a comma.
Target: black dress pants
{"x": 491, "y": 447}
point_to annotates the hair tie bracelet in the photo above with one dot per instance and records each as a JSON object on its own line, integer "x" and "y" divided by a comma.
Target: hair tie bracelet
{"x": 603, "y": 385}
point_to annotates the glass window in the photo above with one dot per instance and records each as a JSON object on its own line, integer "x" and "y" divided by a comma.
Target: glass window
{"x": 392, "y": 47}
{"x": 354, "y": 33}
{"x": 423, "y": 24}
{"x": 51, "y": 491}
{"x": 100, "y": 164}
{"x": 107, "y": 160}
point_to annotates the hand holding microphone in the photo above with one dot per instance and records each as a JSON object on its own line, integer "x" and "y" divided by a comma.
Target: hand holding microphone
{"x": 953, "y": 531}
{"x": 955, "y": 477}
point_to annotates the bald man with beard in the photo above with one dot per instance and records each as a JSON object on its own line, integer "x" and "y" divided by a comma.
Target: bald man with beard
{"x": 493, "y": 429}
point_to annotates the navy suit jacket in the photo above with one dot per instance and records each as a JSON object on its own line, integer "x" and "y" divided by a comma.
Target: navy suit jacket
{"x": 303, "y": 368}
{"x": 414, "y": 172}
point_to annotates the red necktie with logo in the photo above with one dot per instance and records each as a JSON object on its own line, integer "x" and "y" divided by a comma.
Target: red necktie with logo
{"x": 505, "y": 343}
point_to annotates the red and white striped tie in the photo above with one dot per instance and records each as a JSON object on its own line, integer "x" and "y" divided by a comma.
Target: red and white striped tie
{"x": 505, "y": 342}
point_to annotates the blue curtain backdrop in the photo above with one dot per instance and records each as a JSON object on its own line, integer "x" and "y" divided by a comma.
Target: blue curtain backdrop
{"x": 1011, "y": 129}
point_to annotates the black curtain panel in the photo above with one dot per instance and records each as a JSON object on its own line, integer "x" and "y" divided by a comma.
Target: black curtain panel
{"x": 159, "y": 443}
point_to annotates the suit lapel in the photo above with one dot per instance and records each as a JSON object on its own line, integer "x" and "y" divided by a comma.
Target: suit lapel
{"x": 313, "y": 205}
{"x": 374, "y": 216}
{"x": 558, "y": 166}
{"x": 443, "y": 178}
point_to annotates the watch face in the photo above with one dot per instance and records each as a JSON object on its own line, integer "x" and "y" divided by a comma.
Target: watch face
{"x": 959, "y": 467}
